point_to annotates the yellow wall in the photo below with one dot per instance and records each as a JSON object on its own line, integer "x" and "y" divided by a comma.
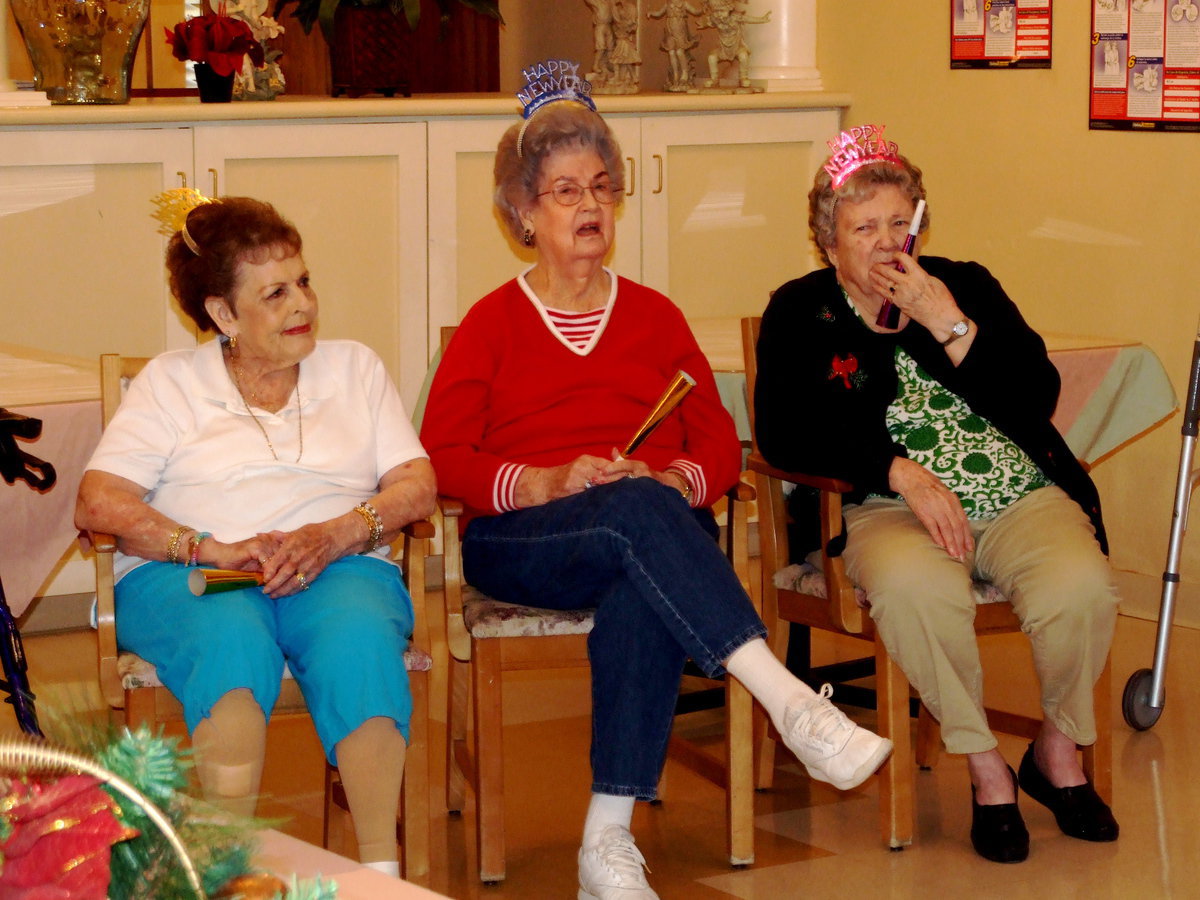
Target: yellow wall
{"x": 1085, "y": 229}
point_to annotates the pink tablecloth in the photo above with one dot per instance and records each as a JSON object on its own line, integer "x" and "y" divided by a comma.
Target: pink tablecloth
{"x": 36, "y": 529}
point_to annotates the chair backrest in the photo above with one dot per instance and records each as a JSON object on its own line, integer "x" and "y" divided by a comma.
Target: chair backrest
{"x": 751, "y": 326}
{"x": 114, "y": 369}
{"x": 447, "y": 333}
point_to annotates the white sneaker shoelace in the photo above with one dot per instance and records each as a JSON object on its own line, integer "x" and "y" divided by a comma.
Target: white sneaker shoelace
{"x": 614, "y": 868}
{"x": 820, "y": 726}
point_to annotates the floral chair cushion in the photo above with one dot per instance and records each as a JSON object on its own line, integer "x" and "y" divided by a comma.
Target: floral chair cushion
{"x": 807, "y": 579}
{"x": 488, "y": 618}
{"x": 137, "y": 673}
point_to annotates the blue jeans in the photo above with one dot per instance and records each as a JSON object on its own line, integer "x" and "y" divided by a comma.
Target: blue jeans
{"x": 662, "y": 590}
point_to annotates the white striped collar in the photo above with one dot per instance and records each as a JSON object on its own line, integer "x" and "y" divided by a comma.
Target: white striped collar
{"x": 558, "y": 335}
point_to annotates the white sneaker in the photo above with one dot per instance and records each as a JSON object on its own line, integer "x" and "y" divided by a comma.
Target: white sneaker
{"x": 612, "y": 870}
{"x": 832, "y": 748}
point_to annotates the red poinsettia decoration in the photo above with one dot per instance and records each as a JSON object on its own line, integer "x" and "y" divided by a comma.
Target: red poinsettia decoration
{"x": 55, "y": 839}
{"x": 216, "y": 39}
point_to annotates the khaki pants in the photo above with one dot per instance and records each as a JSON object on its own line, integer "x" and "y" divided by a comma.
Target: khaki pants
{"x": 1042, "y": 553}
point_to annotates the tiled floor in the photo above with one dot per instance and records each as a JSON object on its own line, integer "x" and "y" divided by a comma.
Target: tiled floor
{"x": 811, "y": 840}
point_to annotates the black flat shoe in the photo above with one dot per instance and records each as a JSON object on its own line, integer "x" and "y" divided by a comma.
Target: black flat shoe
{"x": 998, "y": 832}
{"x": 1079, "y": 811}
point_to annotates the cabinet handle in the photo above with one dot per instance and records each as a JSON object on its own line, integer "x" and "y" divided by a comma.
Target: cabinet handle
{"x": 215, "y": 192}
{"x": 629, "y": 187}
{"x": 658, "y": 159}
{"x": 182, "y": 178}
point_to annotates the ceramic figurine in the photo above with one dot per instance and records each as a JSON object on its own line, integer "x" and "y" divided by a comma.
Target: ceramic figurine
{"x": 602, "y": 40}
{"x": 677, "y": 43}
{"x": 728, "y": 21}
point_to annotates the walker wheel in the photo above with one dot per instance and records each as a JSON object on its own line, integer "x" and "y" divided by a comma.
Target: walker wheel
{"x": 1135, "y": 702}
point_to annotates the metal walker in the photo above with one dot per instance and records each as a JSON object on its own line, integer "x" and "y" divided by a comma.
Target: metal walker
{"x": 1145, "y": 691}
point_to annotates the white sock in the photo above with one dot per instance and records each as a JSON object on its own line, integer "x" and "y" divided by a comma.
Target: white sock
{"x": 767, "y": 679}
{"x": 605, "y": 810}
{"x": 387, "y": 868}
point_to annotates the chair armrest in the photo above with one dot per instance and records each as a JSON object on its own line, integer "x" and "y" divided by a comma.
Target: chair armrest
{"x": 844, "y": 611}
{"x": 422, "y": 529}
{"x": 835, "y": 485}
{"x": 458, "y": 639}
{"x": 104, "y": 545}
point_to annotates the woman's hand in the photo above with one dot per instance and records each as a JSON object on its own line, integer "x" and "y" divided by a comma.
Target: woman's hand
{"x": 620, "y": 467}
{"x": 919, "y": 295}
{"x": 934, "y": 505}
{"x": 248, "y": 555}
{"x": 538, "y": 485}
{"x": 300, "y": 557}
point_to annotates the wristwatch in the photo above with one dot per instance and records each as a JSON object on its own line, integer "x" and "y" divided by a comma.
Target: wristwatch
{"x": 959, "y": 329}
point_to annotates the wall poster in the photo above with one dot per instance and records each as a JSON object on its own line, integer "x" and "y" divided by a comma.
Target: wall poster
{"x": 1000, "y": 34}
{"x": 1145, "y": 65}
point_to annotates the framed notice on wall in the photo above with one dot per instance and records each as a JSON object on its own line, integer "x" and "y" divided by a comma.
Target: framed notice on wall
{"x": 1145, "y": 65}
{"x": 1000, "y": 34}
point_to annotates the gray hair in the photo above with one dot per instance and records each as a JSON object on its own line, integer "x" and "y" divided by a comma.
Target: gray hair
{"x": 823, "y": 199}
{"x": 553, "y": 127}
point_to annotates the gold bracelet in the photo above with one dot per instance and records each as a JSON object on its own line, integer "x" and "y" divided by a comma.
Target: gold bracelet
{"x": 374, "y": 524}
{"x": 173, "y": 543}
{"x": 687, "y": 485}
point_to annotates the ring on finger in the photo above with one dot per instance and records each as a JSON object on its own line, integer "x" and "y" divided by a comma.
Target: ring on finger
{"x": 891, "y": 289}
{"x": 303, "y": 579}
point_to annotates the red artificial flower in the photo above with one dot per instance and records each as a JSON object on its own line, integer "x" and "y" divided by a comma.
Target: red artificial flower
{"x": 57, "y": 838}
{"x": 216, "y": 39}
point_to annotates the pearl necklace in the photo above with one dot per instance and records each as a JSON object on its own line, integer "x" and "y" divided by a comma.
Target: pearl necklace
{"x": 237, "y": 375}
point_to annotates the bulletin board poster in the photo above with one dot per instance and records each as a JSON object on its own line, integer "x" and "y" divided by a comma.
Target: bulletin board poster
{"x": 1000, "y": 34}
{"x": 1145, "y": 65}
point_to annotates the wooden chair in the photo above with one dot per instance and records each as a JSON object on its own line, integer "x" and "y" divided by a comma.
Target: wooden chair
{"x": 826, "y": 599}
{"x": 131, "y": 684}
{"x": 487, "y": 638}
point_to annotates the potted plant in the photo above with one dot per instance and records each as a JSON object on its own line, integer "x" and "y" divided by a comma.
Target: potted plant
{"x": 370, "y": 41}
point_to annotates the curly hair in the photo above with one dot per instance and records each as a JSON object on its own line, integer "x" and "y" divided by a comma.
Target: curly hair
{"x": 553, "y": 127}
{"x": 227, "y": 231}
{"x": 862, "y": 185}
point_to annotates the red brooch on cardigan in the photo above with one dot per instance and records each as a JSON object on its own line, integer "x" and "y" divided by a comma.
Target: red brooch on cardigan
{"x": 845, "y": 368}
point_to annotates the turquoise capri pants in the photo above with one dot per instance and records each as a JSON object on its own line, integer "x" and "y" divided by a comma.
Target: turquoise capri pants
{"x": 343, "y": 639}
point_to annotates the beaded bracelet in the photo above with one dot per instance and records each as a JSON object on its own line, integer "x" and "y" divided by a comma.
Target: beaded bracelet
{"x": 374, "y": 524}
{"x": 173, "y": 543}
{"x": 195, "y": 542}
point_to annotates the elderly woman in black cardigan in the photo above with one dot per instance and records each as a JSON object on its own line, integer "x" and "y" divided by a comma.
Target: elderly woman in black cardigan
{"x": 943, "y": 426}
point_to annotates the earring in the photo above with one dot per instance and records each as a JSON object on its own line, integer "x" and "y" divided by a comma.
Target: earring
{"x": 233, "y": 343}
{"x": 527, "y": 238}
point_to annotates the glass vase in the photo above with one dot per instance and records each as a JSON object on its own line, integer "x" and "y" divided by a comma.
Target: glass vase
{"x": 82, "y": 50}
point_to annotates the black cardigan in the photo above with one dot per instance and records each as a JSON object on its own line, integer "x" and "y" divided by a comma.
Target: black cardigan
{"x": 808, "y": 420}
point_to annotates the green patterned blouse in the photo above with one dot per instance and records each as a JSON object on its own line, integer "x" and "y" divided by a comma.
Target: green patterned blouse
{"x": 973, "y": 458}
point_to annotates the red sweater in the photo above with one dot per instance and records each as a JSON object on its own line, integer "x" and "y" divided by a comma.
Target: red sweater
{"x": 509, "y": 393}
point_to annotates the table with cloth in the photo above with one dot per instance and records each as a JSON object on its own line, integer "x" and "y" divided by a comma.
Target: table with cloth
{"x": 38, "y": 528}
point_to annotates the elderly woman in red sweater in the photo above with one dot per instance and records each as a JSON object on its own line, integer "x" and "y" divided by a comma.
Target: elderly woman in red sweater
{"x": 544, "y": 378}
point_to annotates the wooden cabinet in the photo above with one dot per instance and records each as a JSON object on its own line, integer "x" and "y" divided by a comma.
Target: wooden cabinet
{"x": 81, "y": 258}
{"x": 394, "y": 200}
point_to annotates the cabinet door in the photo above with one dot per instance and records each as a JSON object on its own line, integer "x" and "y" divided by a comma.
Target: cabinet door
{"x": 470, "y": 250}
{"x": 356, "y": 192}
{"x": 725, "y": 205}
{"x": 79, "y": 249}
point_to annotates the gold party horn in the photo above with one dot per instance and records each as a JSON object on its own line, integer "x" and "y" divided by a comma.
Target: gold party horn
{"x": 213, "y": 581}
{"x": 671, "y": 398}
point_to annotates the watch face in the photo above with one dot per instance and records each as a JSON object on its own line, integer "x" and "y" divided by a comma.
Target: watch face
{"x": 960, "y": 328}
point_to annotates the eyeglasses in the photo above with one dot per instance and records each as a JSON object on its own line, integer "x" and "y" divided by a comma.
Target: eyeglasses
{"x": 568, "y": 193}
